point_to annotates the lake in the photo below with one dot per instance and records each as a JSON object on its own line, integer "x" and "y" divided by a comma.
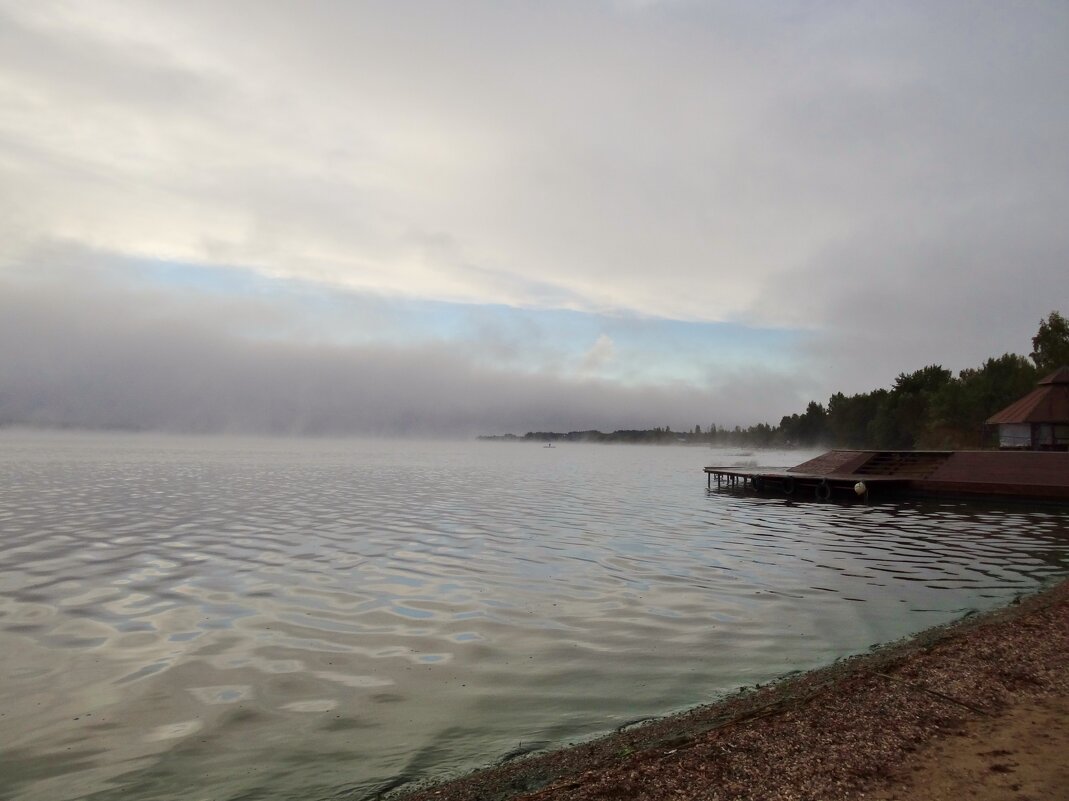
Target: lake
{"x": 224, "y": 618}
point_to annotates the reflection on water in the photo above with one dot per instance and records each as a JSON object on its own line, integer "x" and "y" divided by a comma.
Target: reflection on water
{"x": 185, "y": 618}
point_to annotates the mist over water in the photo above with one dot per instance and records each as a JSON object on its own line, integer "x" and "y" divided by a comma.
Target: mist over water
{"x": 236, "y": 618}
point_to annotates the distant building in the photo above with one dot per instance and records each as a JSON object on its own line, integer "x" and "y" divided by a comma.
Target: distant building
{"x": 1040, "y": 420}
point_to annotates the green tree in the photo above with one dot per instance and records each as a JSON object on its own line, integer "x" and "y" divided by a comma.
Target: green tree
{"x": 883, "y": 430}
{"x": 849, "y": 419}
{"x": 805, "y": 429}
{"x": 958, "y": 410}
{"x": 901, "y": 420}
{"x": 1050, "y": 345}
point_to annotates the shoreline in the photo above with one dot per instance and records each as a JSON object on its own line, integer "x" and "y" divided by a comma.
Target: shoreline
{"x": 862, "y": 725}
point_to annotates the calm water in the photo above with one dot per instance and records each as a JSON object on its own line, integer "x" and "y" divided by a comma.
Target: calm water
{"x": 237, "y": 619}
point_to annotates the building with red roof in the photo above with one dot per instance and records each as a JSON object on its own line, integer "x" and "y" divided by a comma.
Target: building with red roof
{"x": 1040, "y": 420}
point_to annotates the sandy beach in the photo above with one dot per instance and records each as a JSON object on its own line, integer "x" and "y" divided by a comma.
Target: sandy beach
{"x": 976, "y": 709}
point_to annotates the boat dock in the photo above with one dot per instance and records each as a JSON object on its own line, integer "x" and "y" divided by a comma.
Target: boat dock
{"x": 810, "y": 485}
{"x": 846, "y": 474}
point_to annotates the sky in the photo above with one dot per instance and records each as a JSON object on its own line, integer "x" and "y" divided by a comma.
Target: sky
{"x": 454, "y": 218}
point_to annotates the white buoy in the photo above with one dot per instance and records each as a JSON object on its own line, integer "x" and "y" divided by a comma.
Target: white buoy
{"x": 860, "y": 488}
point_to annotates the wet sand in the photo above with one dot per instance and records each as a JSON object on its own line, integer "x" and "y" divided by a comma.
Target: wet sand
{"x": 1022, "y": 753}
{"x": 977, "y": 709}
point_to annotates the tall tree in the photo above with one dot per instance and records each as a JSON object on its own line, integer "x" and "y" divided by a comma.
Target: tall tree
{"x": 959, "y": 409}
{"x": 902, "y": 419}
{"x": 850, "y": 419}
{"x": 805, "y": 429}
{"x": 1050, "y": 345}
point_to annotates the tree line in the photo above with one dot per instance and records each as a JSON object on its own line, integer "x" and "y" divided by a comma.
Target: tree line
{"x": 648, "y": 436}
{"x": 928, "y": 408}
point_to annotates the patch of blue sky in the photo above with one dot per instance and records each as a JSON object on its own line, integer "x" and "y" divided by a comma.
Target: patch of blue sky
{"x": 633, "y": 349}
{"x": 217, "y": 280}
{"x": 625, "y": 347}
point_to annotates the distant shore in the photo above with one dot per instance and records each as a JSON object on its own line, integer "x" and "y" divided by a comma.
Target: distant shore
{"x": 713, "y": 438}
{"x": 978, "y": 705}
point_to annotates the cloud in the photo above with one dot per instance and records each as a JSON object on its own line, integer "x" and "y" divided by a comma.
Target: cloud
{"x": 600, "y": 353}
{"x": 672, "y": 160}
{"x": 99, "y": 356}
{"x": 891, "y": 179}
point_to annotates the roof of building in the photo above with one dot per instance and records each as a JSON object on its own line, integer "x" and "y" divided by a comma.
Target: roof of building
{"x": 1059, "y": 376}
{"x": 1047, "y": 403}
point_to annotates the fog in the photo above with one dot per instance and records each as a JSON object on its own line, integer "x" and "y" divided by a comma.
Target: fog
{"x": 102, "y": 358}
{"x": 886, "y": 184}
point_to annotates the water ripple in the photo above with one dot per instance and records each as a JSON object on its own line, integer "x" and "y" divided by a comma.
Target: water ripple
{"x": 284, "y": 619}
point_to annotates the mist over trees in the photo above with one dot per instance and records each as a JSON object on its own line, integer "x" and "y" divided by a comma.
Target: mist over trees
{"x": 928, "y": 408}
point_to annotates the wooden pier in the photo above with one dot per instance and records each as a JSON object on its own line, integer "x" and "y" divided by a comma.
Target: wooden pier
{"x": 843, "y": 474}
{"x": 822, "y": 487}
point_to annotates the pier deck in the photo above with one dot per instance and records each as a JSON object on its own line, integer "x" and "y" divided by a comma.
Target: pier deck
{"x": 812, "y": 485}
{"x": 849, "y": 473}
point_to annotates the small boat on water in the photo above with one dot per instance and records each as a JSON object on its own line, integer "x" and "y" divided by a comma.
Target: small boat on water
{"x": 548, "y": 445}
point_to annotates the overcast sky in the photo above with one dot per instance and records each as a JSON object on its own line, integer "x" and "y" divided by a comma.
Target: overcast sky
{"x": 395, "y": 217}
